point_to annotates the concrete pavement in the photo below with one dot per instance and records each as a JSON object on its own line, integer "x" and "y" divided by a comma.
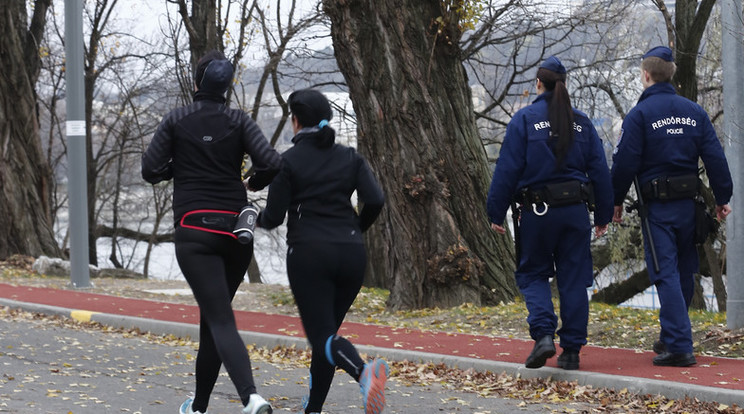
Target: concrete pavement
{"x": 713, "y": 379}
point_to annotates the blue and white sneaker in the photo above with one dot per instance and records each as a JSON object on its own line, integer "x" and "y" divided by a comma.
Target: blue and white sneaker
{"x": 372, "y": 384}
{"x": 257, "y": 405}
{"x": 186, "y": 407}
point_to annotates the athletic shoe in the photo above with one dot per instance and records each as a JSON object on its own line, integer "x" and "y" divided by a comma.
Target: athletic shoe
{"x": 186, "y": 407}
{"x": 372, "y": 385}
{"x": 543, "y": 349}
{"x": 257, "y": 405}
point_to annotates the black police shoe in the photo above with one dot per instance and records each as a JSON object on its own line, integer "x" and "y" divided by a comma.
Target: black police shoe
{"x": 668, "y": 359}
{"x": 544, "y": 349}
{"x": 569, "y": 360}
{"x": 659, "y": 347}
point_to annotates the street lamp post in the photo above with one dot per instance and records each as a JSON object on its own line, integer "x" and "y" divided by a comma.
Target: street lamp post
{"x": 733, "y": 112}
{"x": 76, "y": 160}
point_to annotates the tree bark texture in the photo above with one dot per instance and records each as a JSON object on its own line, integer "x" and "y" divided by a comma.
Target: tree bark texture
{"x": 690, "y": 19}
{"x": 201, "y": 25}
{"x": 432, "y": 244}
{"x": 25, "y": 177}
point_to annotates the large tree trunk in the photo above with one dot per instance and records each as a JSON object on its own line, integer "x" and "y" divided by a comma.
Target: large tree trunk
{"x": 416, "y": 126}
{"x": 25, "y": 177}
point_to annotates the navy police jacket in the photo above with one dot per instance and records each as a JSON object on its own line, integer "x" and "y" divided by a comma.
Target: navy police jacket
{"x": 665, "y": 135}
{"x": 527, "y": 160}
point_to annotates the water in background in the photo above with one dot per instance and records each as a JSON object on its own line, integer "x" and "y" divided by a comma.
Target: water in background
{"x": 269, "y": 250}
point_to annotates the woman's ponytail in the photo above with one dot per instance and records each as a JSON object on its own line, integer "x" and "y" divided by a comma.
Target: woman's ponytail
{"x": 326, "y": 135}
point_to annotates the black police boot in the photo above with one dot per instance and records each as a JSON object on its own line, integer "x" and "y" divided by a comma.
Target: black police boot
{"x": 544, "y": 349}
{"x": 569, "y": 359}
{"x": 668, "y": 359}
{"x": 659, "y": 347}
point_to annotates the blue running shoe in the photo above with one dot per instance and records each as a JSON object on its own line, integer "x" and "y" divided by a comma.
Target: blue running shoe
{"x": 372, "y": 385}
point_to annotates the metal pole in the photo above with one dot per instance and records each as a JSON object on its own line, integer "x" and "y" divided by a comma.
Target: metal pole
{"x": 76, "y": 162}
{"x": 733, "y": 104}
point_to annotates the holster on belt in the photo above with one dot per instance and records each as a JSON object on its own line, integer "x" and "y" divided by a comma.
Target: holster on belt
{"x": 671, "y": 188}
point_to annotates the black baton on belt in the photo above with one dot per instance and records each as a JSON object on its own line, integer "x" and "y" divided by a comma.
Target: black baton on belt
{"x": 643, "y": 214}
{"x": 517, "y": 238}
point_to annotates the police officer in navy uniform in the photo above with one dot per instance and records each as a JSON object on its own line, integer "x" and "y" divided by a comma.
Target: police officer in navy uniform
{"x": 662, "y": 139}
{"x": 550, "y": 160}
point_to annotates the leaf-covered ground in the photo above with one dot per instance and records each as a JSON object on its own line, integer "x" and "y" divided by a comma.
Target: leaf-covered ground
{"x": 608, "y": 326}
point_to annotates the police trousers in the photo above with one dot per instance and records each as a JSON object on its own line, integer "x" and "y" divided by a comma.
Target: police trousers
{"x": 556, "y": 245}
{"x": 672, "y": 226}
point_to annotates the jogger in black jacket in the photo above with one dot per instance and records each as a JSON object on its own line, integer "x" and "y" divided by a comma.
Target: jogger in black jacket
{"x": 201, "y": 147}
{"x": 326, "y": 257}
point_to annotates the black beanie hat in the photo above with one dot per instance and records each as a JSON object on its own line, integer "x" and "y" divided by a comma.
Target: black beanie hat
{"x": 214, "y": 73}
{"x": 310, "y": 107}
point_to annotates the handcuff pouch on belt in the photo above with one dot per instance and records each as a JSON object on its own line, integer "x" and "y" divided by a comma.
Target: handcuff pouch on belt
{"x": 557, "y": 195}
{"x": 671, "y": 188}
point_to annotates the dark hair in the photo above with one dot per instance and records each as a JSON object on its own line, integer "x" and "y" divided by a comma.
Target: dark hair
{"x": 560, "y": 113}
{"x": 311, "y": 108}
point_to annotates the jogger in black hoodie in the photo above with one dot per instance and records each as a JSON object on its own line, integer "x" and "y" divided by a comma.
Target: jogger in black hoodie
{"x": 201, "y": 147}
{"x": 326, "y": 257}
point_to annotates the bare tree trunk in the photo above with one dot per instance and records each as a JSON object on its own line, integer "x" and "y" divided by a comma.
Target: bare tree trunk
{"x": 417, "y": 128}
{"x": 25, "y": 177}
{"x": 617, "y": 293}
{"x": 719, "y": 288}
{"x": 711, "y": 262}
{"x": 690, "y": 19}
{"x": 698, "y": 298}
{"x": 201, "y": 25}
{"x": 254, "y": 272}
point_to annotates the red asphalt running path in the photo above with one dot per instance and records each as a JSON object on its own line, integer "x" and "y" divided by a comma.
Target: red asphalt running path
{"x": 725, "y": 373}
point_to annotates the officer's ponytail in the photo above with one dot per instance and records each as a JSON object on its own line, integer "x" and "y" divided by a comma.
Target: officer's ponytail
{"x": 560, "y": 113}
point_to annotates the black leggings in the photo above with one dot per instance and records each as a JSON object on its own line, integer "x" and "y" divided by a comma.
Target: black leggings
{"x": 214, "y": 266}
{"x": 325, "y": 278}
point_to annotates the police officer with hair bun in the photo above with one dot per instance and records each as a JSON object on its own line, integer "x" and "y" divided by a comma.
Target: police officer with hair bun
{"x": 326, "y": 257}
{"x": 662, "y": 140}
{"x": 201, "y": 147}
{"x": 552, "y": 163}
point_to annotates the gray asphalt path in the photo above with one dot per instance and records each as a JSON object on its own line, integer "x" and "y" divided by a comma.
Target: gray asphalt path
{"x": 51, "y": 366}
